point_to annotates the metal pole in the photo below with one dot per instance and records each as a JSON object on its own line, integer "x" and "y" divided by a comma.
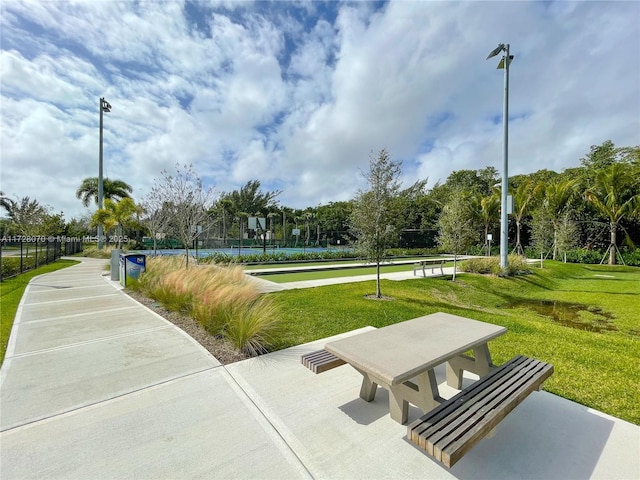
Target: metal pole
{"x": 100, "y": 186}
{"x": 504, "y": 215}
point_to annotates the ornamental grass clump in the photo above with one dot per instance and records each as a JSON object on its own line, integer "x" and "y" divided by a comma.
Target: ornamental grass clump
{"x": 222, "y": 299}
{"x": 516, "y": 265}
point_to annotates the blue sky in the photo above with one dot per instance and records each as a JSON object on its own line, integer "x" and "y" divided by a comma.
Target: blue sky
{"x": 297, "y": 94}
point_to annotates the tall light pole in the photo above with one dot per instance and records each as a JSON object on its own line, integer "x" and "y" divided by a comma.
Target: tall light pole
{"x": 504, "y": 214}
{"x": 104, "y": 107}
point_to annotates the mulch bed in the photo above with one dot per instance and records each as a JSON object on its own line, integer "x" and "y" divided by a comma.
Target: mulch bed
{"x": 218, "y": 347}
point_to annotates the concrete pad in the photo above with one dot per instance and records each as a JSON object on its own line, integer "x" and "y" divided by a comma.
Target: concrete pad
{"x": 338, "y": 435}
{"x": 194, "y": 427}
{"x": 50, "y": 382}
{"x": 72, "y": 329}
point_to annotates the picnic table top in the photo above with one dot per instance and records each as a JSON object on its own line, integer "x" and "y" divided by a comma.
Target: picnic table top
{"x": 398, "y": 352}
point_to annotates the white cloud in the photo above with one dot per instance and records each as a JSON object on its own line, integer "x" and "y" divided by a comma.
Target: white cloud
{"x": 297, "y": 96}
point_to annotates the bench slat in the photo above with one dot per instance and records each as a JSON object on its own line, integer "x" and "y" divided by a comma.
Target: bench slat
{"x": 469, "y": 406}
{"x": 424, "y": 426}
{"x": 449, "y": 431}
{"x": 509, "y": 400}
{"x": 321, "y": 361}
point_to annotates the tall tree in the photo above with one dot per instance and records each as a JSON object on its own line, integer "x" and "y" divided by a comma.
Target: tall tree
{"x": 455, "y": 227}
{"x": 112, "y": 189}
{"x": 7, "y": 203}
{"x": 26, "y": 216}
{"x": 616, "y": 195}
{"x": 334, "y": 220}
{"x": 250, "y": 199}
{"x": 373, "y": 220}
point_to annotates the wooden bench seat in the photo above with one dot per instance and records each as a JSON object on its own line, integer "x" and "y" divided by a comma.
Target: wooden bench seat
{"x": 321, "y": 361}
{"x": 450, "y": 430}
{"x": 422, "y": 265}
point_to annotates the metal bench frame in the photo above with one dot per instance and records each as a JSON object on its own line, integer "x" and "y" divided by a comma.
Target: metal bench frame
{"x": 424, "y": 264}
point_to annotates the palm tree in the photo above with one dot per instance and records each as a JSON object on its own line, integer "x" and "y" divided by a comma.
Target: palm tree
{"x": 615, "y": 195}
{"x": 489, "y": 212}
{"x": 111, "y": 189}
{"x": 557, "y": 196}
{"x": 115, "y": 214}
{"x": 523, "y": 197}
{"x": 7, "y": 203}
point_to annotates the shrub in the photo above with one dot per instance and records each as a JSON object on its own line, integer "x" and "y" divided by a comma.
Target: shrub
{"x": 274, "y": 256}
{"x": 221, "y": 298}
{"x": 93, "y": 252}
{"x": 631, "y": 258}
{"x": 516, "y": 265}
{"x": 582, "y": 255}
{"x": 481, "y": 265}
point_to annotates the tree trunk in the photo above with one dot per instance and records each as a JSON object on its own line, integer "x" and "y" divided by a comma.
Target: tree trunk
{"x": 378, "y": 292}
{"x": 612, "y": 247}
{"x": 486, "y": 239}
{"x": 518, "y": 246}
{"x": 455, "y": 264}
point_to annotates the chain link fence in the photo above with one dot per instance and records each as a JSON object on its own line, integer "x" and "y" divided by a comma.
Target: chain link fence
{"x": 22, "y": 253}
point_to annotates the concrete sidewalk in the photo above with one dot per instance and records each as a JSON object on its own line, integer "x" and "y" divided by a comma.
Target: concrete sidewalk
{"x": 97, "y": 386}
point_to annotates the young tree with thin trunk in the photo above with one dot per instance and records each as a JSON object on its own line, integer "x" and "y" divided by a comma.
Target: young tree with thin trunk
{"x": 542, "y": 232}
{"x": 455, "y": 227}
{"x": 373, "y": 220}
{"x": 154, "y": 216}
{"x": 186, "y": 203}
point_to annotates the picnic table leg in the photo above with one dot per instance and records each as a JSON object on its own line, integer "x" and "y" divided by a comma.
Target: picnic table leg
{"x": 483, "y": 360}
{"x": 454, "y": 375}
{"x": 398, "y": 406}
{"x": 481, "y": 365}
{"x": 368, "y": 389}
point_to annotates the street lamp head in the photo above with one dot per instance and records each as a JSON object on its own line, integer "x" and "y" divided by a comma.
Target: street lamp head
{"x": 106, "y": 106}
{"x": 496, "y": 51}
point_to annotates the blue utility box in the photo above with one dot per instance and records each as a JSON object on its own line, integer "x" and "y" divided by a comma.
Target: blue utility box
{"x": 131, "y": 267}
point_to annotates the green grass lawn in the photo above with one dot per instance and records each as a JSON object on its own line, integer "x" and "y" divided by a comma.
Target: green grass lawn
{"x": 594, "y": 343}
{"x": 11, "y": 291}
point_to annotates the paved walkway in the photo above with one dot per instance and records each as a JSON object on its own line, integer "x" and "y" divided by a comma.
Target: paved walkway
{"x": 95, "y": 385}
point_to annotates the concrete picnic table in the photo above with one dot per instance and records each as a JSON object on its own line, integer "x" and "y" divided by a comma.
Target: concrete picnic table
{"x": 401, "y": 358}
